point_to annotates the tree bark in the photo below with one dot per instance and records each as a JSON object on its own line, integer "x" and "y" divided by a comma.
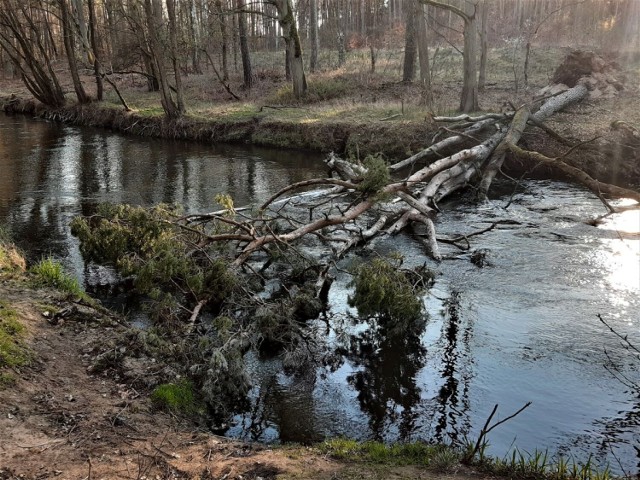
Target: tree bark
{"x": 290, "y": 33}
{"x": 247, "y": 74}
{"x": 313, "y": 35}
{"x": 68, "y": 34}
{"x": 410, "y": 42}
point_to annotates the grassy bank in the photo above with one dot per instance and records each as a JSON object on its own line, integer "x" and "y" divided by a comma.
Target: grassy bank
{"x": 355, "y": 136}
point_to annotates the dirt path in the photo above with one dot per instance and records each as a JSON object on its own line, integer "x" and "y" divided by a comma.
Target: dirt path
{"x": 60, "y": 421}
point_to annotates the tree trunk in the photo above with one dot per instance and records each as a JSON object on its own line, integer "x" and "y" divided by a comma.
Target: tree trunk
{"x": 153, "y": 13}
{"x": 484, "y": 46}
{"x": 313, "y": 35}
{"x": 244, "y": 46}
{"x": 173, "y": 43}
{"x": 423, "y": 51}
{"x": 410, "y": 43}
{"x": 469, "y": 97}
{"x": 222, "y": 19}
{"x": 291, "y": 38}
{"x": 67, "y": 33}
{"x": 97, "y": 52}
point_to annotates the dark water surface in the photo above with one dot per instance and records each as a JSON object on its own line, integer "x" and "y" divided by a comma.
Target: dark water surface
{"x": 524, "y": 328}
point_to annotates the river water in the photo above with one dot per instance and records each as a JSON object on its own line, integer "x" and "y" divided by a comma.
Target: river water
{"x": 523, "y": 328}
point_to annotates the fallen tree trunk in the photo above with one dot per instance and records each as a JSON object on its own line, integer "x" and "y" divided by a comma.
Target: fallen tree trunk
{"x": 416, "y": 197}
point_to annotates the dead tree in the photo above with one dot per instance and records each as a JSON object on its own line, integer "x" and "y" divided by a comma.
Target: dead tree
{"x": 335, "y": 214}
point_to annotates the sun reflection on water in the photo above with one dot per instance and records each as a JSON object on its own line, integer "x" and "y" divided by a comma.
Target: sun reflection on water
{"x": 621, "y": 257}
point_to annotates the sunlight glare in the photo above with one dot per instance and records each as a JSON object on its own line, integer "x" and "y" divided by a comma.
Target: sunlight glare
{"x": 622, "y": 257}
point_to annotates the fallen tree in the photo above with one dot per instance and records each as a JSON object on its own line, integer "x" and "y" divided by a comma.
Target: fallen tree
{"x": 361, "y": 201}
{"x": 191, "y": 264}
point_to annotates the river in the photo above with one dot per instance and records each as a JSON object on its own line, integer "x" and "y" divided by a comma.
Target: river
{"x": 523, "y": 328}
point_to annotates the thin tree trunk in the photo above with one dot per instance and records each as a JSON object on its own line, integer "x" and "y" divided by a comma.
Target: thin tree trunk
{"x": 225, "y": 41}
{"x": 153, "y": 12}
{"x": 244, "y": 46}
{"x": 484, "y": 46}
{"x": 97, "y": 52}
{"x": 313, "y": 35}
{"x": 469, "y": 97}
{"x": 423, "y": 50}
{"x": 292, "y": 39}
{"x": 173, "y": 41}
{"x": 410, "y": 43}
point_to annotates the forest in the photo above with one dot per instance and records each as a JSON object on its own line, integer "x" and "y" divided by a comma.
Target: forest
{"x": 428, "y": 114}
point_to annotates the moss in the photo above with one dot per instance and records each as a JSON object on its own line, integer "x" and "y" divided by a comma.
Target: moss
{"x": 13, "y": 351}
{"x": 176, "y": 397}
{"x": 7, "y": 380}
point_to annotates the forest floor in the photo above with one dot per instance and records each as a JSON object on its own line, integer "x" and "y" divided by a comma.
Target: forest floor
{"x": 59, "y": 420}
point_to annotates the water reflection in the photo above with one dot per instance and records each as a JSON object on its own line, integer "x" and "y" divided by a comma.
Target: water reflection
{"x": 386, "y": 361}
{"x": 51, "y": 173}
{"x": 453, "y": 397}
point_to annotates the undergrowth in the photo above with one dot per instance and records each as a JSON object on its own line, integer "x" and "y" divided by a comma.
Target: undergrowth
{"x": 539, "y": 466}
{"x": 11, "y": 260}
{"x": 446, "y": 458}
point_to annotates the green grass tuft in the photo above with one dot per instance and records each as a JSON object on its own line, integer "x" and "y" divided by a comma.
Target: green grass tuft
{"x": 436, "y": 457}
{"x": 49, "y": 272}
{"x": 176, "y": 398}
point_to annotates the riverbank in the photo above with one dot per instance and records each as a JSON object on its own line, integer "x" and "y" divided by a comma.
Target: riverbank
{"x": 394, "y": 130}
{"x": 255, "y": 126}
{"x": 61, "y": 417}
